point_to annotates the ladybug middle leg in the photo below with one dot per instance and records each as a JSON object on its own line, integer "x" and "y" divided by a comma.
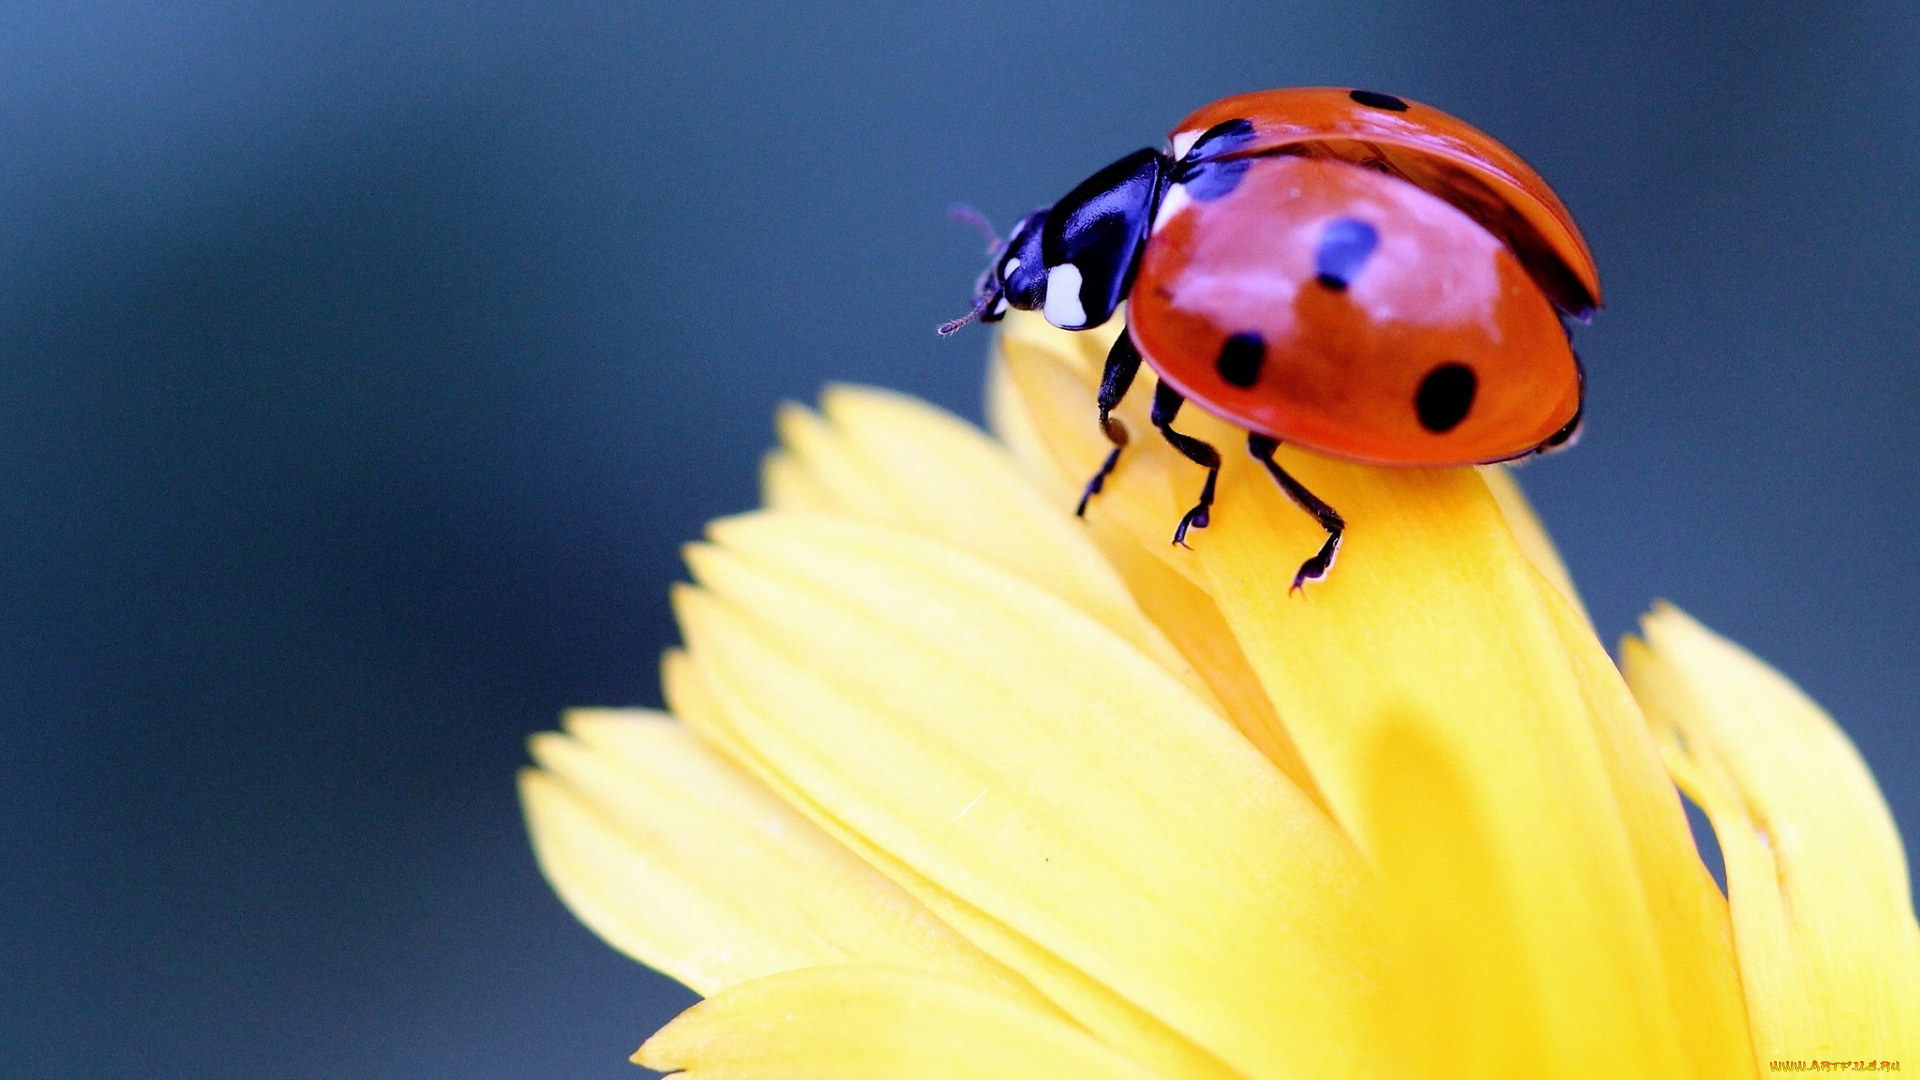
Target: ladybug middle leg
{"x": 1166, "y": 405}
{"x": 1123, "y": 363}
{"x": 1262, "y": 447}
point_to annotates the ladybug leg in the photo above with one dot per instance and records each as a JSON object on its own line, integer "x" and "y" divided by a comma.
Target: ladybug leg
{"x": 1315, "y": 568}
{"x": 1123, "y": 363}
{"x": 1166, "y": 405}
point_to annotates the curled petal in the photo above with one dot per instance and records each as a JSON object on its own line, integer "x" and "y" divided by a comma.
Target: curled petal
{"x": 1823, "y": 919}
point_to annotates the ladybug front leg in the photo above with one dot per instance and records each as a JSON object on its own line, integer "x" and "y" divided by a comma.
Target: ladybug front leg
{"x": 1123, "y": 363}
{"x": 1315, "y": 568}
{"x": 1166, "y": 405}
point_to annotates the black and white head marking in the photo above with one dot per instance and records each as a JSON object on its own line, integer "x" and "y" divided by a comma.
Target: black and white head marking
{"x": 1019, "y": 272}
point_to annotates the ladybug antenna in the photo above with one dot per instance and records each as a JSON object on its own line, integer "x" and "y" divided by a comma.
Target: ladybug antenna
{"x": 967, "y": 215}
{"x": 981, "y": 303}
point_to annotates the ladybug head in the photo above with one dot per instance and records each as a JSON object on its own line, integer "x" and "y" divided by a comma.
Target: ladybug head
{"x": 1075, "y": 260}
{"x": 1014, "y": 277}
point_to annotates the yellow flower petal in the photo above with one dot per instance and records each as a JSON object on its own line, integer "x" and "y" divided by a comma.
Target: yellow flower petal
{"x": 1530, "y": 535}
{"x": 1021, "y": 756}
{"x": 863, "y": 1023}
{"x": 1453, "y": 922}
{"x": 1428, "y": 661}
{"x": 1429, "y": 639}
{"x": 786, "y": 484}
{"x": 692, "y": 868}
{"x": 1189, "y": 617}
{"x": 1441, "y": 842}
{"x": 1161, "y": 585}
{"x": 1689, "y": 913}
{"x": 1055, "y": 377}
{"x": 1015, "y": 427}
{"x": 1822, "y": 917}
{"x": 1690, "y": 918}
{"x": 936, "y": 474}
{"x": 889, "y": 458}
{"x": 1095, "y": 1006}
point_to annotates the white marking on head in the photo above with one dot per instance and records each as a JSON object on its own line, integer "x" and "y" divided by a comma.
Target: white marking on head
{"x": 1183, "y": 141}
{"x": 1007, "y": 270}
{"x": 1001, "y": 307}
{"x": 1063, "y": 308}
{"x": 1175, "y": 200}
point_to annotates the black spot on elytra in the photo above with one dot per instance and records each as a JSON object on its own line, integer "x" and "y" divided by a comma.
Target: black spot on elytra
{"x": 1345, "y": 246}
{"x": 1240, "y": 359}
{"x": 1445, "y": 396}
{"x": 1203, "y": 173}
{"x": 1212, "y": 180}
{"x": 1375, "y": 100}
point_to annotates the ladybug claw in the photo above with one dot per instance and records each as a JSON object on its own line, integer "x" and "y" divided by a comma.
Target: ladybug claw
{"x": 1196, "y": 518}
{"x": 1315, "y": 569}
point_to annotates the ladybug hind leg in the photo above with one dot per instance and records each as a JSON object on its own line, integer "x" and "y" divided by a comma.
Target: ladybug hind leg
{"x": 1166, "y": 405}
{"x": 1123, "y": 363}
{"x": 1263, "y": 448}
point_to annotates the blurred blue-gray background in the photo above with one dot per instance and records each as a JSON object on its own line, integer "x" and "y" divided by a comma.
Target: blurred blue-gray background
{"x": 362, "y": 366}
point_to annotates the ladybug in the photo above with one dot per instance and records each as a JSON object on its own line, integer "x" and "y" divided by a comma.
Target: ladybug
{"x": 1353, "y": 273}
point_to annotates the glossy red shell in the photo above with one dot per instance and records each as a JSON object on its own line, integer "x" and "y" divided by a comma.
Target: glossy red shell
{"x": 1343, "y": 367}
{"x": 1458, "y": 163}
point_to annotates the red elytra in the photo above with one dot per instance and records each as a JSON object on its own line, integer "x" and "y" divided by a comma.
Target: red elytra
{"x": 1434, "y": 151}
{"x": 1343, "y": 370}
{"x": 1474, "y": 253}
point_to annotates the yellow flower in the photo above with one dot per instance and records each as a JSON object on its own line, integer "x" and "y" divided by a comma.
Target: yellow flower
{"x": 956, "y": 785}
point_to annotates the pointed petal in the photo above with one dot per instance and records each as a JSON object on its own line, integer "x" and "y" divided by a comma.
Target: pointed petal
{"x": 863, "y": 1023}
{"x": 1690, "y": 919}
{"x": 786, "y": 484}
{"x": 960, "y": 718}
{"x": 1428, "y": 662}
{"x": 838, "y": 473}
{"x": 689, "y": 866}
{"x": 1530, "y": 534}
{"x": 1822, "y": 917}
{"x": 653, "y": 915}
